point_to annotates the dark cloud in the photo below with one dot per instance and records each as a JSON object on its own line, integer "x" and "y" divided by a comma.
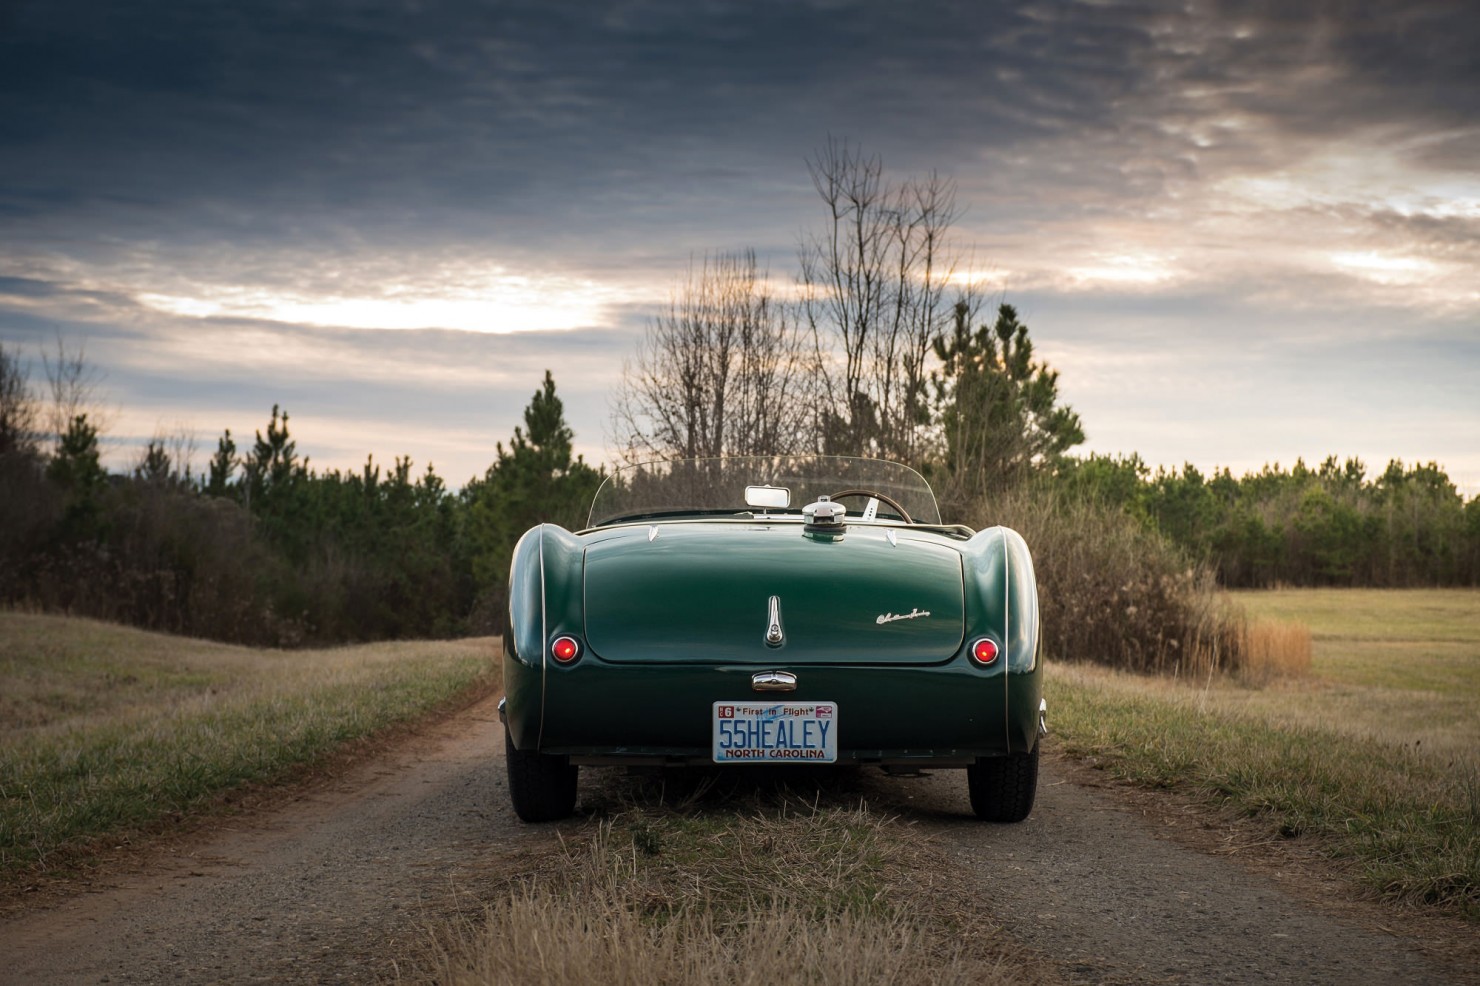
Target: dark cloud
{"x": 27, "y": 287}
{"x": 334, "y": 148}
{"x": 281, "y": 117}
{"x": 1330, "y": 62}
{"x": 529, "y": 122}
{"x": 1443, "y": 236}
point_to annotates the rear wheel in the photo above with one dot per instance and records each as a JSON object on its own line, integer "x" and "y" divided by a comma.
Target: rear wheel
{"x": 1002, "y": 788}
{"x": 542, "y": 786}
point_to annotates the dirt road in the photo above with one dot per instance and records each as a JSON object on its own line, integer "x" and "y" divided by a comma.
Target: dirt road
{"x": 1099, "y": 884}
{"x": 336, "y": 885}
{"x": 328, "y": 888}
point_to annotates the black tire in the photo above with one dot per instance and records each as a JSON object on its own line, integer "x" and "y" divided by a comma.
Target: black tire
{"x": 542, "y": 786}
{"x": 1003, "y": 788}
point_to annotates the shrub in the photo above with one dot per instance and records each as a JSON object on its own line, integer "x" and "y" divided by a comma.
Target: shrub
{"x": 1114, "y": 592}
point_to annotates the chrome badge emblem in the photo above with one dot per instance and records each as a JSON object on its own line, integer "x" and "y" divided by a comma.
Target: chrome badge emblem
{"x": 913, "y": 614}
{"x": 775, "y": 637}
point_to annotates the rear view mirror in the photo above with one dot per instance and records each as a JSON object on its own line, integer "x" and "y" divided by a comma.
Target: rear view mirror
{"x": 768, "y": 497}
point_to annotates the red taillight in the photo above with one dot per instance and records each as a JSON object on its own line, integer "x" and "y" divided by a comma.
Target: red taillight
{"x": 984, "y": 651}
{"x": 565, "y": 649}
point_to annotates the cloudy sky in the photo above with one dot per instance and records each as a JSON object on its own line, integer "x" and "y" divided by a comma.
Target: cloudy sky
{"x": 1242, "y": 232}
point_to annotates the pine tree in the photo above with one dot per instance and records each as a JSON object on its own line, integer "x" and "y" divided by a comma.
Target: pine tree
{"x": 223, "y": 464}
{"x": 76, "y": 467}
{"x": 534, "y": 481}
{"x": 998, "y": 409}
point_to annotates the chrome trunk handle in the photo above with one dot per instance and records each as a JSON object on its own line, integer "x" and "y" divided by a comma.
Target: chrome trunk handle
{"x": 773, "y": 681}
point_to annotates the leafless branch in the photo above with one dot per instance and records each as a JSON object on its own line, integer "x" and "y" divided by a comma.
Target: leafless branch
{"x": 19, "y": 411}
{"x": 875, "y": 282}
{"x": 724, "y": 371}
{"x": 73, "y": 385}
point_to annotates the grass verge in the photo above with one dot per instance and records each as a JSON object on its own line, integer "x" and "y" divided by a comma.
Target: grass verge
{"x": 109, "y": 730}
{"x": 768, "y": 890}
{"x": 1382, "y": 769}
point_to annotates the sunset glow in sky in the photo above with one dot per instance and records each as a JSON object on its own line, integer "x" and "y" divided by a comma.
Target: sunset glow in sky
{"x": 1243, "y": 233}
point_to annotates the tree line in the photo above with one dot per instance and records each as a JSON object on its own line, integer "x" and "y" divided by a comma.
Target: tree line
{"x": 1331, "y": 525}
{"x": 260, "y": 547}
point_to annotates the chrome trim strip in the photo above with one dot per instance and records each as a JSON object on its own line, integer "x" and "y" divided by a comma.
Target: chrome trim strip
{"x": 773, "y": 681}
{"x": 893, "y": 539}
{"x": 775, "y": 636}
{"x": 652, "y": 533}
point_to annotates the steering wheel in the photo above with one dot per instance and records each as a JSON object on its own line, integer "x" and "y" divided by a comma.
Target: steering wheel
{"x": 904, "y": 514}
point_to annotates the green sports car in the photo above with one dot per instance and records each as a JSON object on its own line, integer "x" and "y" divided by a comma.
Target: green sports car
{"x": 773, "y": 610}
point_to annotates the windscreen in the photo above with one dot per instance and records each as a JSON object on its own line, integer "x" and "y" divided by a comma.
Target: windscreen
{"x": 717, "y": 486}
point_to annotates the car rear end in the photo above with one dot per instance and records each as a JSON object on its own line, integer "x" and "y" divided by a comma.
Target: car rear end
{"x": 709, "y": 642}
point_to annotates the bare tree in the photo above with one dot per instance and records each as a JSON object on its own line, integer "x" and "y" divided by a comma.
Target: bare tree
{"x": 74, "y": 386}
{"x": 875, "y": 281}
{"x": 724, "y": 371}
{"x": 19, "y": 412}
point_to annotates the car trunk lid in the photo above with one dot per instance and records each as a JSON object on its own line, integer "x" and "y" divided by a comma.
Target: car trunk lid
{"x": 702, "y": 593}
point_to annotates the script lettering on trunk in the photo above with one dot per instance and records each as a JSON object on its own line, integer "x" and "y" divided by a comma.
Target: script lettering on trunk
{"x": 913, "y": 614}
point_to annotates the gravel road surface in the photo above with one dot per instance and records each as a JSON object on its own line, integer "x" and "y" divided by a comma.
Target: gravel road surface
{"x": 336, "y": 885}
{"x": 1099, "y": 884}
{"x": 329, "y": 888}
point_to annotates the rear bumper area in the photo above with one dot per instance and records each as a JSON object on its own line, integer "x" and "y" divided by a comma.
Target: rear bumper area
{"x": 946, "y": 715}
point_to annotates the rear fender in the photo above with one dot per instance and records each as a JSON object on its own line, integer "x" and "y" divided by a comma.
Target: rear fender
{"x": 544, "y": 602}
{"x": 1002, "y": 603}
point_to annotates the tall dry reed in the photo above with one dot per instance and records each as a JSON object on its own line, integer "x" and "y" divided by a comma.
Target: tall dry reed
{"x": 1275, "y": 649}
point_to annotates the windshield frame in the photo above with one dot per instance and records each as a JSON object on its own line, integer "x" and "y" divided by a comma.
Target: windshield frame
{"x": 714, "y": 488}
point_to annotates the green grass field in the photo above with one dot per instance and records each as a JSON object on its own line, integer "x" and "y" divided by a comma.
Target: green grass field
{"x": 1375, "y": 754}
{"x": 1408, "y": 639}
{"x": 1398, "y": 666}
{"x": 107, "y": 730}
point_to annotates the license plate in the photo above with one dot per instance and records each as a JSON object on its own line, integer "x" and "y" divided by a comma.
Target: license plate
{"x": 775, "y": 732}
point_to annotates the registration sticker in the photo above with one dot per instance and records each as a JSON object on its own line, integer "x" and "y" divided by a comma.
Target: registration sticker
{"x": 775, "y": 732}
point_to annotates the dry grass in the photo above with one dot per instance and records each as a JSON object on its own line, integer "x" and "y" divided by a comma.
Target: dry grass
{"x": 108, "y": 730}
{"x": 1428, "y": 615}
{"x": 1385, "y": 775}
{"x": 1407, "y": 639}
{"x": 776, "y": 891}
{"x": 1399, "y": 666}
{"x": 599, "y": 937}
{"x": 1275, "y": 649}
